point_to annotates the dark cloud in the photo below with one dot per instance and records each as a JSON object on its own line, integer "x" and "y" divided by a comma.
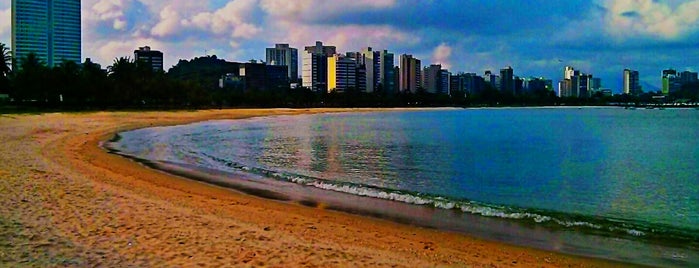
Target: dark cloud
{"x": 467, "y": 17}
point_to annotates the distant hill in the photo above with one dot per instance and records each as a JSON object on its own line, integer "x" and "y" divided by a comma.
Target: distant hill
{"x": 203, "y": 70}
{"x": 648, "y": 87}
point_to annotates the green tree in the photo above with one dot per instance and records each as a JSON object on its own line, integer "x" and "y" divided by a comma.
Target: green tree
{"x": 94, "y": 85}
{"x": 5, "y": 70}
{"x": 123, "y": 74}
{"x": 31, "y": 81}
{"x": 66, "y": 83}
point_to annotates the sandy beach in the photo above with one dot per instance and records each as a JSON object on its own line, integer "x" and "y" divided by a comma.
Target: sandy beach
{"x": 65, "y": 201}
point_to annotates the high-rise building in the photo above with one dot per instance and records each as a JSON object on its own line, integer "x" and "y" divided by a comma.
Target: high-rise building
{"x": 632, "y": 85}
{"x": 409, "y": 73}
{"x": 670, "y": 83}
{"x": 435, "y": 80}
{"x": 262, "y": 77}
{"x": 342, "y": 73}
{"x": 361, "y": 69}
{"x": 372, "y": 69}
{"x": 456, "y": 83}
{"x": 673, "y": 81}
{"x": 152, "y": 58}
{"x": 687, "y": 77}
{"x": 534, "y": 84}
{"x": 507, "y": 81}
{"x": 443, "y": 86}
{"x": 379, "y": 70}
{"x": 564, "y": 87}
{"x": 491, "y": 79}
{"x": 315, "y": 66}
{"x": 473, "y": 83}
{"x": 431, "y": 78}
{"x": 387, "y": 73}
{"x": 48, "y": 28}
{"x": 283, "y": 55}
{"x": 396, "y": 80}
{"x": 568, "y": 72}
{"x": 581, "y": 85}
{"x": 575, "y": 84}
{"x": 596, "y": 84}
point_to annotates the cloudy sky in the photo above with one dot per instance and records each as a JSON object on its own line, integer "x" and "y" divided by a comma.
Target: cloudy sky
{"x": 535, "y": 37}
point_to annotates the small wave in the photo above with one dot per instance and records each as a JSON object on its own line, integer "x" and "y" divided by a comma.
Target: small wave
{"x": 562, "y": 220}
{"x": 440, "y": 202}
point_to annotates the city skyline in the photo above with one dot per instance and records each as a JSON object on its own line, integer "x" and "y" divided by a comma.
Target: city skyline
{"x": 538, "y": 38}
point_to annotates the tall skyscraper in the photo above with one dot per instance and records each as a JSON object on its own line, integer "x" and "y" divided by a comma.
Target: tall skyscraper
{"x": 632, "y": 85}
{"x": 48, "y": 28}
{"x": 283, "y": 55}
{"x": 410, "y": 73}
{"x": 379, "y": 70}
{"x": 315, "y": 66}
{"x": 150, "y": 57}
{"x": 387, "y": 73}
{"x": 372, "y": 67}
{"x": 507, "y": 80}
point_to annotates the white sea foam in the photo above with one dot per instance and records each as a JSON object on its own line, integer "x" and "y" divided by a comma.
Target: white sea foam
{"x": 635, "y": 232}
{"x": 578, "y": 223}
{"x": 437, "y": 201}
{"x": 368, "y": 192}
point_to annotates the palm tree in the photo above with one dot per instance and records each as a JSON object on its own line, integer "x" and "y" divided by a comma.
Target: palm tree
{"x": 5, "y": 60}
{"x": 124, "y": 74}
{"x": 66, "y": 82}
{"x": 94, "y": 86}
{"x": 30, "y": 80}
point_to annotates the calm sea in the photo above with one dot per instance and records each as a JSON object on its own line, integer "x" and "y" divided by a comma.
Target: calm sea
{"x": 610, "y": 172}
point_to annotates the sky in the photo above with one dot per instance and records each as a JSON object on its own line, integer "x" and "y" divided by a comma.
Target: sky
{"x": 535, "y": 37}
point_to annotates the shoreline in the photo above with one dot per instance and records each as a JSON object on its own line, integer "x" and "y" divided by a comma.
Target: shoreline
{"x": 87, "y": 206}
{"x": 553, "y": 235}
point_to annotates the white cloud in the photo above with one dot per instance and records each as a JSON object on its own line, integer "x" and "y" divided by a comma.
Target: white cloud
{"x": 344, "y": 37}
{"x": 442, "y": 55}
{"x": 232, "y": 20}
{"x": 631, "y": 18}
{"x": 169, "y": 22}
{"x": 108, "y": 10}
{"x": 5, "y": 26}
{"x": 311, "y": 9}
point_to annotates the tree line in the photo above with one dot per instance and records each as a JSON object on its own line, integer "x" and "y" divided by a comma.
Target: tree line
{"x": 128, "y": 84}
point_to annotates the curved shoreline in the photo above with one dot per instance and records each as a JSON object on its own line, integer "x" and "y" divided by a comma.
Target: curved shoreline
{"x": 95, "y": 208}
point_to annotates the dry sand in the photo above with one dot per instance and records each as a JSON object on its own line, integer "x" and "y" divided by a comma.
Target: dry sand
{"x": 64, "y": 201}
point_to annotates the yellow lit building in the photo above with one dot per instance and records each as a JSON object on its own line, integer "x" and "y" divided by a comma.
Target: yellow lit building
{"x": 342, "y": 73}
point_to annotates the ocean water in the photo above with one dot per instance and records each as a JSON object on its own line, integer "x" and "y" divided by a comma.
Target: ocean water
{"x": 609, "y": 172}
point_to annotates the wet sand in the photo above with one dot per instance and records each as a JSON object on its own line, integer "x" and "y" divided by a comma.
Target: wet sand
{"x": 65, "y": 201}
